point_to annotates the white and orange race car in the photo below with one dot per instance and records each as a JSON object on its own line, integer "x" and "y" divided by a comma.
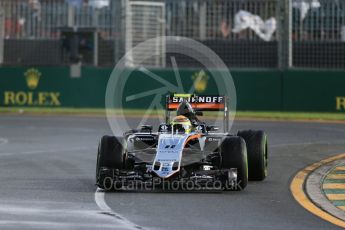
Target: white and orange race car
{"x": 184, "y": 153}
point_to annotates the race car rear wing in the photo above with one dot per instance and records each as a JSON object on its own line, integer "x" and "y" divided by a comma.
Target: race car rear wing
{"x": 199, "y": 103}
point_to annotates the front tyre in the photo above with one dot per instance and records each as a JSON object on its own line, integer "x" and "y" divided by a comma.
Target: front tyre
{"x": 257, "y": 153}
{"x": 234, "y": 155}
{"x": 110, "y": 155}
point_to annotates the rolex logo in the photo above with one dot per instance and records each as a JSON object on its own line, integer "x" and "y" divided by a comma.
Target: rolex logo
{"x": 200, "y": 81}
{"x": 32, "y": 77}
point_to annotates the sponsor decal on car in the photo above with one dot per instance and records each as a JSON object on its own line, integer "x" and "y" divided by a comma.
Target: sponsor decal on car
{"x": 200, "y": 99}
{"x": 144, "y": 138}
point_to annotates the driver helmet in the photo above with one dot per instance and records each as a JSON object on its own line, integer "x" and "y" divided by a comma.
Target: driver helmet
{"x": 181, "y": 124}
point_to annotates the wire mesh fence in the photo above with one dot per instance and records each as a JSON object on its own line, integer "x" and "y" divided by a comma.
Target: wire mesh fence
{"x": 2, "y": 34}
{"x": 244, "y": 33}
{"x": 318, "y": 33}
{"x": 38, "y": 32}
{"x": 223, "y": 26}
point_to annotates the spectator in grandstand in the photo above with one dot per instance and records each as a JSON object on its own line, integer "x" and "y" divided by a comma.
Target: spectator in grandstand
{"x": 33, "y": 17}
{"x": 94, "y": 3}
{"x": 78, "y": 3}
{"x": 12, "y": 27}
{"x": 225, "y": 29}
{"x": 99, "y": 3}
{"x": 35, "y": 5}
{"x": 14, "y": 22}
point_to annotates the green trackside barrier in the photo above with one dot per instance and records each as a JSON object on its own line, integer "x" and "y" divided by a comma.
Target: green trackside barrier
{"x": 314, "y": 90}
{"x": 258, "y": 90}
{"x": 265, "y": 90}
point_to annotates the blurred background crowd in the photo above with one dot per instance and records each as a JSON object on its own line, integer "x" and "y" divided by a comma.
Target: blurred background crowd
{"x": 244, "y": 33}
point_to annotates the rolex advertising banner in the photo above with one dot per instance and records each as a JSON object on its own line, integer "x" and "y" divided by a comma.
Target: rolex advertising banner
{"x": 51, "y": 87}
{"x": 31, "y": 96}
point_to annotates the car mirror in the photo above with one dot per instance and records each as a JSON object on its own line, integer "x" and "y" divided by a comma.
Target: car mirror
{"x": 146, "y": 128}
{"x": 212, "y": 128}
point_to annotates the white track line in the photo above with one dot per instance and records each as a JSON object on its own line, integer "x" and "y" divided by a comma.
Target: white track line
{"x": 28, "y": 224}
{"x": 100, "y": 201}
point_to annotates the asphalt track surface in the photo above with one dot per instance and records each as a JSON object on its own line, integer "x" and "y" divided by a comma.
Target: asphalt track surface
{"x": 47, "y": 176}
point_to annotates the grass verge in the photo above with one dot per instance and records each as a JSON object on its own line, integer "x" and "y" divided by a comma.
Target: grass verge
{"x": 137, "y": 113}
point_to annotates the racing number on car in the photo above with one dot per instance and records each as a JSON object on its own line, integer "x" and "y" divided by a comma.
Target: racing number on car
{"x": 170, "y": 146}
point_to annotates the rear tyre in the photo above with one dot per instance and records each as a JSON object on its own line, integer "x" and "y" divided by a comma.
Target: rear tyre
{"x": 257, "y": 153}
{"x": 234, "y": 155}
{"x": 110, "y": 155}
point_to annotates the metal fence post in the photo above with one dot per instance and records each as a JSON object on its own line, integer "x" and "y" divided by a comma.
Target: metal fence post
{"x": 95, "y": 22}
{"x": 284, "y": 34}
{"x": 2, "y": 34}
{"x": 202, "y": 20}
{"x": 70, "y": 16}
{"x": 118, "y": 10}
{"x": 95, "y": 48}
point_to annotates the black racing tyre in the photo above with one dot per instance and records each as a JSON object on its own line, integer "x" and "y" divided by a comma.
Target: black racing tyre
{"x": 257, "y": 153}
{"x": 234, "y": 155}
{"x": 110, "y": 155}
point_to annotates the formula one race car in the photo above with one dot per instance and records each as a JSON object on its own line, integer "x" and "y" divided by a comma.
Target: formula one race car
{"x": 184, "y": 151}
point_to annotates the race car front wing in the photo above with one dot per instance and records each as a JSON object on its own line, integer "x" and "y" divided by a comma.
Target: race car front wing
{"x": 205, "y": 179}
